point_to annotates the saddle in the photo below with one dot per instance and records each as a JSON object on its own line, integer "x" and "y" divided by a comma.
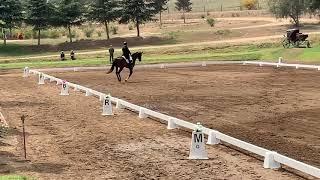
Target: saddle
{"x": 127, "y": 60}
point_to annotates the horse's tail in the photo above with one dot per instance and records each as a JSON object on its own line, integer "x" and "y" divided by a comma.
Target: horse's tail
{"x": 112, "y": 67}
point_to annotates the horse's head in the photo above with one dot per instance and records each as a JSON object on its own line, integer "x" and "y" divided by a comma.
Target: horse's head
{"x": 137, "y": 55}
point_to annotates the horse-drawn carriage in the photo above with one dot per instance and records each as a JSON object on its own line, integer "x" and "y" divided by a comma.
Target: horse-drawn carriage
{"x": 295, "y": 38}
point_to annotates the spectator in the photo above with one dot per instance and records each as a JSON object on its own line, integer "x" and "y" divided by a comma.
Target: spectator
{"x": 62, "y": 56}
{"x": 72, "y": 55}
{"x": 111, "y": 52}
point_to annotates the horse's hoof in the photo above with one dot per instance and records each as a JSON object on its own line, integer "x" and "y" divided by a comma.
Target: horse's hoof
{"x": 126, "y": 80}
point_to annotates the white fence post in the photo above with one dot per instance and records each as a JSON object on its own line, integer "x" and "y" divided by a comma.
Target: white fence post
{"x": 118, "y": 105}
{"x": 76, "y": 88}
{"x": 280, "y": 60}
{"x": 269, "y": 161}
{"x": 142, "y": 113}
{"x": 172, "y": 124}
{"x": 212, "y": 138}
{"x": 59, "y": 82}
{"x": 88, "y": 93}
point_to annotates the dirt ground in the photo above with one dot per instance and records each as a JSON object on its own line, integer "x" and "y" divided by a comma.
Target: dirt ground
{"x": 272, "y": 108}
{"x": 69, "y": 139}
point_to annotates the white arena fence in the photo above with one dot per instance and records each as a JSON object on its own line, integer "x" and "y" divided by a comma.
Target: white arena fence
{"x": 280, "y": 64}
{"x": 272, "y": 160}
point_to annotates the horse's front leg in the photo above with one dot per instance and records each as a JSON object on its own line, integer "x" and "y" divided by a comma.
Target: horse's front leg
{"x": 131, "y": 71}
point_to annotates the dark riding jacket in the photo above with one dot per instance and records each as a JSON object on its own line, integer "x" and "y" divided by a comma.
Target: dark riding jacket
{"x": 126, "y": 52}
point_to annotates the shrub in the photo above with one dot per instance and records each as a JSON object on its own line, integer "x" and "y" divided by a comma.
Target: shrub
{"x": 27, "y": 34}
{"x": 223, "y": 32}
{"x": 114, "y": 29}
{"x": 44, "y": 34}
{"x": 249, "y": 4}
{"x": 235, "y": 15}
{"x": 88, "y": 31}
{"x": 99, "y": 33}
{"x": 130, "y": 27}
{"x": 211, "y": 22}
{"x": 54, "y": 34}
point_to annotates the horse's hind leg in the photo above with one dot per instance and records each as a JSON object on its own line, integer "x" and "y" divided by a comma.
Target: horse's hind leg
{"x": 120, "y": 69}
{"x": 131, "y": 71}
{"x": 118, "y": 74}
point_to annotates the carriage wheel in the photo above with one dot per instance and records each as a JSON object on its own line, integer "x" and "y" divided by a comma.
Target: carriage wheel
{"x": 308, "y": 44}
{"x": 286, "y": 43}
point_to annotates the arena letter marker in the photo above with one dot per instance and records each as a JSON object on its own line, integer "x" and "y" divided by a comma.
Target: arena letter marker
{"x": 107, "y": 106}
{"x": 26, "y": 72}
{"x": 41, "y": 79}
{"x": 198, "y": 149}
{"x": 64, "y": 89}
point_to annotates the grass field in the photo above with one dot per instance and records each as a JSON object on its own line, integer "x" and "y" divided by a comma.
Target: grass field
{"x": 13, "y": 177}
{"x": 214, "y": 5}
{"x": 266, "y": 51}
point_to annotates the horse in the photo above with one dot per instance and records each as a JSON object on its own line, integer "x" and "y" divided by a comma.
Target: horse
{"x": 121, "y": 63}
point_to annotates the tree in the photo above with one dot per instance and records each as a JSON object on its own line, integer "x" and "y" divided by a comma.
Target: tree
{"x": 104, "y": 11}
{"x": 159, "y": 6}
{"x": 184, "y": 6}
{"x": 70, "y": 13}
{"x": 38, "y": 15}
{"x": 10, "y": 15}
{"x": 288, "y": 9}
{"x": 249, "y": 4}
{"x": 313, "y": 6}
{"x": 137, "y": 11}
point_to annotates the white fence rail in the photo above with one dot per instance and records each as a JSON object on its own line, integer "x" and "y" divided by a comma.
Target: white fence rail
{"x": 220, "y": 136}
{"x": 297, "y": 66}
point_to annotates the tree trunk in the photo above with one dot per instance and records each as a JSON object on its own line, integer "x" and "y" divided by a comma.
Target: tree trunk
{"x": 4, "y": 36}
{"x": 138, "y": 29}
{"x": 70, "y": 35}
{"x": 107, "y": 29}
{"x": 160, "y": 20}
{"x": 184, "y": 18}
{"x": 10, "y": 31}
{"x": 39, "y": 32}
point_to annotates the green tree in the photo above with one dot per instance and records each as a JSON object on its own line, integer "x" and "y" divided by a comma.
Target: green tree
{"x": 288, "y": 9}
{"x": 160, "y": 6}
{"x": 38, "y": 15}
{"x": 314, "y": 7}
{"x": 70, "y": 13}
{"x": 137, "y": 11}
{"x": 104, "y": 11}
{"x": 184, "y": 6}
{"x": 10, "y": 15}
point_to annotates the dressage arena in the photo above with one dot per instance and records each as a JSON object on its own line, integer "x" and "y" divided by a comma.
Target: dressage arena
{"x": 273, "y": 108}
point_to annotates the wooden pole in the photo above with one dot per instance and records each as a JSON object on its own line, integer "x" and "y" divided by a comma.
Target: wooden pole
{"x": 23, "y": 117}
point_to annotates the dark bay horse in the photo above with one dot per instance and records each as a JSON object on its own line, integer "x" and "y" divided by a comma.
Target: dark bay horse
{"x": 121, "y": 63}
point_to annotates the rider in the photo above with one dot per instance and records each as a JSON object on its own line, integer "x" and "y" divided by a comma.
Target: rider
{"x": 126, "y": 52}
